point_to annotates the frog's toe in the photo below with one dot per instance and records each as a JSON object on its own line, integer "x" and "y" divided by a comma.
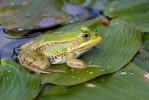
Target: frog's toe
{"x": 93, "y": 66}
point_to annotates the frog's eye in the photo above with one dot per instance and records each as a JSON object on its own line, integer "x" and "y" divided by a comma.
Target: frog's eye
{"x": 85, "y": 36}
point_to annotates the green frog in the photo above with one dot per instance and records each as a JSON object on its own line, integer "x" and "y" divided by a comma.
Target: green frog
{"x": 58, "y": 48}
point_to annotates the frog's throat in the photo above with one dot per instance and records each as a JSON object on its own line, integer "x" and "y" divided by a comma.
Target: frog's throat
{"x": 80, "y": 52}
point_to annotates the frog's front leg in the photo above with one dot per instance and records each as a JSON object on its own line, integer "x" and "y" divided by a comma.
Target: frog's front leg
{"x": 35, "y": 61}
{"x": 76, "y": 63}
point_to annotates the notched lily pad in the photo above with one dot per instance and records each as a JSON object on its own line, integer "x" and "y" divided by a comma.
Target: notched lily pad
{"x": 16, "y": 83}
{"x": 121, "y": 41}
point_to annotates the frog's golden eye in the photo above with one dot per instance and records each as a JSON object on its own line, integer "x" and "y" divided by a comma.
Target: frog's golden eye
{"x": 85, "y": 36}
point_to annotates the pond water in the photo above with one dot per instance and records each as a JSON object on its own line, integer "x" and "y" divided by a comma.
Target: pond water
{"x": 9, "y": 43}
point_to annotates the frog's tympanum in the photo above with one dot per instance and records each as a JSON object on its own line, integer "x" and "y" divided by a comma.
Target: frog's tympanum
{"x": 58, "y": 48}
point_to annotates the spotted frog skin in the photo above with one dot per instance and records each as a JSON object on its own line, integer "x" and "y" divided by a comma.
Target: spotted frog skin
{"x": 58, "y": 48}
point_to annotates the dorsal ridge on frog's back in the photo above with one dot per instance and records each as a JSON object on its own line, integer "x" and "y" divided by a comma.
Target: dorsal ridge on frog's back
{"x": 52, "y": 39}
{"x": 52, "y": 45}
{"x": 57, "y": 36}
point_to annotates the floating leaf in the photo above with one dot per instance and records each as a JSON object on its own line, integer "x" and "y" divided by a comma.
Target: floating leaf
{"x": 132, "y": 86}
{"x": 136, "y": 11}
{"x": 30, "y": 14}
{"x": 42, "y": 14}
{"x": 121, "y": 41}
{"x": 16, "y": 83}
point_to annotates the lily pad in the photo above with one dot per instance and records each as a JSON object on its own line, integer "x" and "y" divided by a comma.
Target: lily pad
{"x": 136, "y": 11}
{"x": 131, "y": 86}
{"x": 16, "y": 83}
{"x": 121, "y": 41}
{"x": 31, "y": 14}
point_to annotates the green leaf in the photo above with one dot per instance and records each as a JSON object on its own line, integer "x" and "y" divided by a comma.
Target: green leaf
{"x": 136, "y": 11}
{"x": 30, "y": 14}
{"x": 16, "y": 83}
{"x": 121, "y": 41}
{"x": 131, "y": 86}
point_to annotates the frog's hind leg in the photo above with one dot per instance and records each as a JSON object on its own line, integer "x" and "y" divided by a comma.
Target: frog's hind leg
{"x": 32, "y": 59}
{"x": 36, "y": 61}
